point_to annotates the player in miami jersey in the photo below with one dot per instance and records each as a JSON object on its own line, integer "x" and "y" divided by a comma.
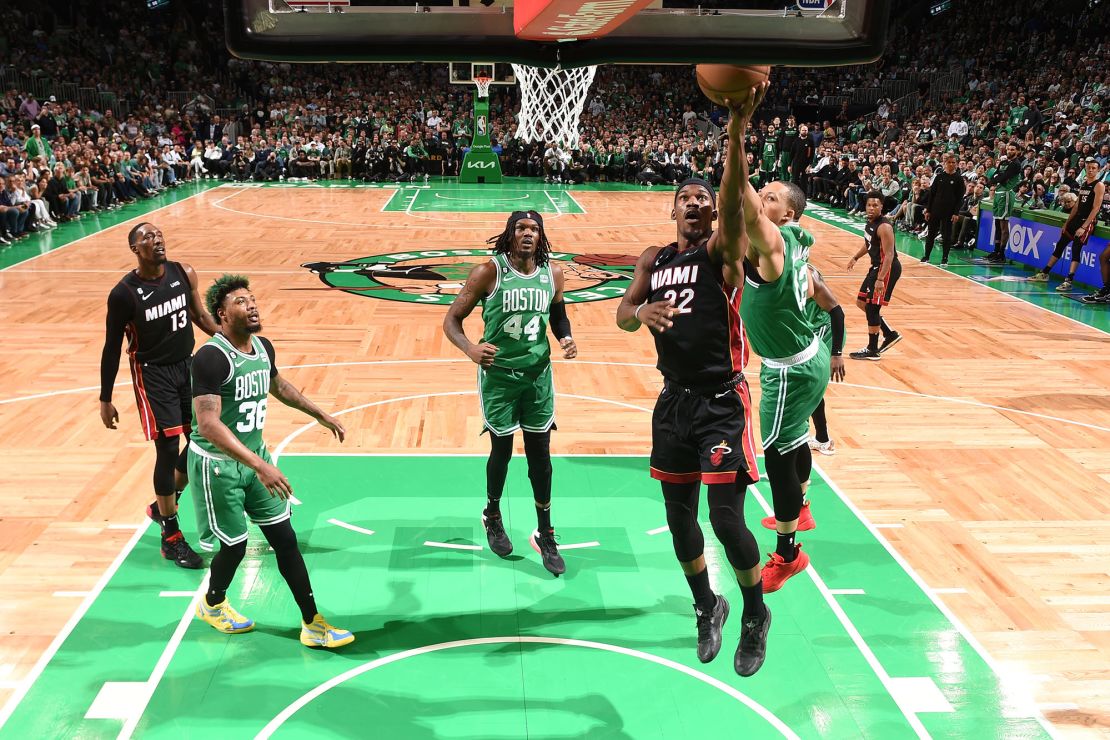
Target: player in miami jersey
{"x": 878, "y": 285}
{"x": 1080, "y": 224}
{"x": 520, "y": 292}
{"x": 234, "y": 373}
{"x": 155, "y": 307}
{"x": 688, "y": 295}
{"x": 796, "y": 363}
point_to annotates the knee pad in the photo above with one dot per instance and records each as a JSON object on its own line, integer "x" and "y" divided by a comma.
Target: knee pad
{"x": 165, "y": 460}
{"x": 280, "y": 536}
{"x": 537, "y": 448}
{"x": 786, "y": 489}
{"x": 681, "y": 500}
{"x": 726, "y": 514}
{"x": 872, "y": 311}
{"x": 1058, "y": 250}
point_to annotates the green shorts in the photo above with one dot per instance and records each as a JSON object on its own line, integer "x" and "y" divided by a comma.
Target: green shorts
{"x": 789, "y": 395}
{"x": 517, "y": 399}
{"x": 824, "y": 333}
{"x": 227, "y": 493}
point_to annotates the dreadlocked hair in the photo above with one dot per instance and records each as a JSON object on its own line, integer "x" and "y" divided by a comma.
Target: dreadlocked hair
{"x": 503, "y": 244}
{"x": 218, "y": 291}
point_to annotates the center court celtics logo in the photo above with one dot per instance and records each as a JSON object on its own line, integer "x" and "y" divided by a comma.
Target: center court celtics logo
{"x": 435, "y": 276}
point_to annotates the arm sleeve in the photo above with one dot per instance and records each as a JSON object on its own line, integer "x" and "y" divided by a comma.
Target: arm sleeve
{"x": 119, "y": 310}
{"x": 560, "y": 323}
{"x": 837, "y": 317}
{"x": 210, "y": 369}
{"x": 269, "y": 347}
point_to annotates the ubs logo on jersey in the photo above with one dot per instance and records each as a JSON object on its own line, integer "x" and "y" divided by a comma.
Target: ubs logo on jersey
{"x": 435, "y": 276}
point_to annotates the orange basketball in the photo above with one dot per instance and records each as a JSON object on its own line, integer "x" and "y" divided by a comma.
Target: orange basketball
{"x": 720, "y": 81}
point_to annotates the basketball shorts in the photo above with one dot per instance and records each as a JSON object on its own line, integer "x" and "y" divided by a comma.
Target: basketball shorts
{"x": 164, "y": 398}
{"x": 867, "y": 289}
{"x": 703, "y": 436}
{"x": 789, "y": 395}
{"x": 230, "y": 492}
{"x": 1069, "y": 233}
{"x": 517, "y": 399}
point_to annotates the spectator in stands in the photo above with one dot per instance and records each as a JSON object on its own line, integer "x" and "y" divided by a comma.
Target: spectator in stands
{"x": 63, "y": 203}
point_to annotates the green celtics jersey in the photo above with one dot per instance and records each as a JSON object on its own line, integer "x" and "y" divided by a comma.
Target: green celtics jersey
{"x": 516, "y": 313}
{"x": 770, "y": 153}
{"x": 243, "y": 395}
{"x": 774, "y": 313}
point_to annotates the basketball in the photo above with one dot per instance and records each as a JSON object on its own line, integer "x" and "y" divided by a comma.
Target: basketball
{"x": 720, "y": 81}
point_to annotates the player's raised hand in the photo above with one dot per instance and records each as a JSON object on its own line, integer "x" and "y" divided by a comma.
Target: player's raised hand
{"x": 656, "y": 316}
{"x": 744, "y": 108}
{"x": 274, "y": 480}
{"x": 332, "y": 424}
{"x": 482, "y": 354}
{"x": 570, "y": 349}
{"x": 108, "y": 414}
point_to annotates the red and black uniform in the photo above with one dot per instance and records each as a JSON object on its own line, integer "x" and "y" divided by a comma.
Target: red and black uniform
{"x": 154, "y": 316}
{"x": 701, "y": 426}
{"x": 875, "y": 252}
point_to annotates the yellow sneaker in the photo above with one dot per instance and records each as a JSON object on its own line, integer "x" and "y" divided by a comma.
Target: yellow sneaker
{"x": 321, "y": 634}
{"x": 223, "y": 618}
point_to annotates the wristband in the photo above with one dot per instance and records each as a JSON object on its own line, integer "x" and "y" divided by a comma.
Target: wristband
{"x": 636, "y": 313}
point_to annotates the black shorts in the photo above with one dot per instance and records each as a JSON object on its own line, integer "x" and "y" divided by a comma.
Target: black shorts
{"x": 867, "y": 289}
{"x": 163, "y": 395}
{"x": 1068, "y": 234}
{"x": 703, "y": 436}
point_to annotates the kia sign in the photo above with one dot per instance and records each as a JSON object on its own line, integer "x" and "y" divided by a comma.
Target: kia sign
{"x": 476, "y": 164}
{"x": 1031, "y": 243}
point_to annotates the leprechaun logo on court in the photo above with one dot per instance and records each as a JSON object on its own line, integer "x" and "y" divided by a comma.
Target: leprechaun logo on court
{"x": 435, "y": 276}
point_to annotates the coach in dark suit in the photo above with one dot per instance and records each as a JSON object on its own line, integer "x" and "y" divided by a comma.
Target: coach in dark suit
{"x": 943, "y": 206}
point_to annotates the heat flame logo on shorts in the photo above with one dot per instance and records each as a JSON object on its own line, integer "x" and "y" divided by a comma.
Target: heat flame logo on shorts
{"x": 717, "y": 453}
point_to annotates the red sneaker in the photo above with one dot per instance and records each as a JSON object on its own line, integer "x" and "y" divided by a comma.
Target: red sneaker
{"x": 777, "y": 570}
{"x": 805, "y": 520}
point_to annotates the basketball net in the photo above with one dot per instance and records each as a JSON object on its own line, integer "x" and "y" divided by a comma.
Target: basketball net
{"x": 551, "y": 102}
{"x": 483, "y": 83}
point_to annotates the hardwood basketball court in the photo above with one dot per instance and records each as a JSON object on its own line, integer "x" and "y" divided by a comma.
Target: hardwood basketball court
{"x": 977, "y": 448}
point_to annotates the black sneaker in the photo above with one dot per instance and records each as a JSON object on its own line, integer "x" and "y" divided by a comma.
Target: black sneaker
{"x": 996, "y": 259}
{"x": 1102, "y": 296}
{"x": 752, "y": 650}
{"x": 545, "y": 545}
{"x": 499, "y": 542}
{"x": 709, "y": 629}
{"x": 865, "y": 354}
{"x": 175, "y": 548}
{"x": 889, "y": 342}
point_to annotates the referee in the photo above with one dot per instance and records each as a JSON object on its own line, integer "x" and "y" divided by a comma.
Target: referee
{"x": 943, "y": 206}
{"x": 155, "y": 306}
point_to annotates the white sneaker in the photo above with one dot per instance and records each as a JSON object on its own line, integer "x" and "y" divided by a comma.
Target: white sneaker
{"x": 825, "y": 448}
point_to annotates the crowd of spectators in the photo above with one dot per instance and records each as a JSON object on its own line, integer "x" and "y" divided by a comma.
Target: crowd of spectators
{"x": 1032, "y": 108}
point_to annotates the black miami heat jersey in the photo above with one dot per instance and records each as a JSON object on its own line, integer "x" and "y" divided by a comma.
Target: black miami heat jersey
{"x": 1086, "y": 193}
{"x": 158, "y": 330}
{"x": 706, "y": 346}
{"x": 874, "y": 243}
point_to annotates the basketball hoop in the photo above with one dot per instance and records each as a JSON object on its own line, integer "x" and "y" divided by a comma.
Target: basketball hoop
{"x": 551, "y": 102}
{"x": 482, "y": 83}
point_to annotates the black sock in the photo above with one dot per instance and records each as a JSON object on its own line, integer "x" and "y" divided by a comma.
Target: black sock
{"x": 493, "y": 508}
{"x": 820, "y": 423}
{"x": 543, "y": 517}
{"x": 873, "y": 342}
{"x": 704, "y": 598}
{"x": 214, "y": 598}
{"x": 885, "y": 327}
{"x": 753, "y": 600}
{"x": 785, "y": 546}
{"x": 169, "y": 526}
